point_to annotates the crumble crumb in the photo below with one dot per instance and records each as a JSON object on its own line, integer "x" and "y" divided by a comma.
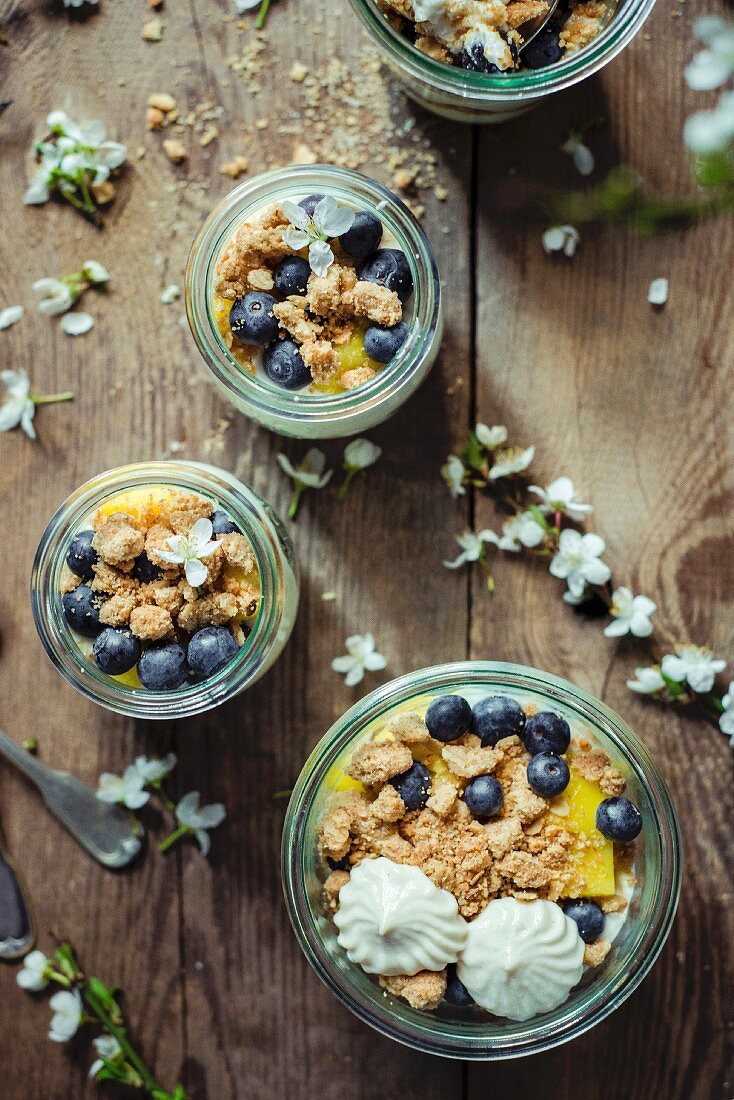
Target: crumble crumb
{"x": 117, "y": 540}
{"x": 424, "y": 990}
{"x": 617, "y": 903}
{"x": 388, "y": 806}
{"x": 408, "y": 728}
{"x": 595, "y": 765}
{"x": 443, "y": 800}
{"x": 332, "y": 886}
{"x": 595, "y": 953}
{"x": 117, "y": 610}
{"x": 468, "y": 760}
{"x": 356, "y": 377}
{"x": 320, "y": 357}
{"x": 375, "y": 302}
{"x": 151, "y": 623}
{"x": 378, "y": 761}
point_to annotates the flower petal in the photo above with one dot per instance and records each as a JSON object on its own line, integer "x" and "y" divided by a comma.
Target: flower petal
{"x": 76, "y": 324}
{"x": 196, "y": 572}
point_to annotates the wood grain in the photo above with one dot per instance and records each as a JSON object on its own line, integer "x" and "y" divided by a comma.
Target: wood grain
{"x": 635, "y": 405}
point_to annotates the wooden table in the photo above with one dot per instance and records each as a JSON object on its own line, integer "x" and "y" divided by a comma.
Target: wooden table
{"x": 635, "y": 405}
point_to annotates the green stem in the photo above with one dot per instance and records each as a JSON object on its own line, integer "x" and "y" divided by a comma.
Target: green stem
{"x": 262, "y": 15}
{"x": 163, "y": 795}
{"x": 347, "y": 482}
{"x": 120, "y": 1034}
{"x": 169, "y": 841}
{"x": 51, "y": 398}
{"x": 293, "y": 508}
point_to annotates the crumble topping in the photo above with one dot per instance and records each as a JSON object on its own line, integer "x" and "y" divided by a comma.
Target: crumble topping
{"x": 527, "y": 851}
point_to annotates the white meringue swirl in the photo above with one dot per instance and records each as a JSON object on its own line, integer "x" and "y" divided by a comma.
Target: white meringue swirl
{"x": 521, "y": 958}
{"x": 393, "y": 920}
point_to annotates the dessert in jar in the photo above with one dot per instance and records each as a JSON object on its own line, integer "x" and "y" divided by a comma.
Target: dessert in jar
{"x": 314, "y": 298}
{"x": 479, "y": 854}
{"x": 488, "y": 36}
{"x": 481, "y": 860}
{"x": 163, "y": 588}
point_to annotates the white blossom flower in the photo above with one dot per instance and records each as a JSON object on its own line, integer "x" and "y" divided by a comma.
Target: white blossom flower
{"x": 19, "y": 407}
{"x": 453, "y": 472}
{"x": 693, "y": 664}
{"x": 580, "y": 154}
{"x": 578, "y": 561}
{"x": 308, "y": 474}
{"x": 631, "y": 615}
{"x": 329, "y": 220}
{"x": 246, "y": 5}
{"x": 153, "y": 770}
{"x": 361, "y": 657}
{"x": 59, "y": 296}
{"x": 197, "y": 819}
{"x": 360, "y": 453}
{"x": 78, "y": 3}
{"x": 511, "y": 461}
{"x": 648, "y": 681}
{"x": 726, "y": 720}
{"x": 707, "y": 132}
{"x": 472, "y": 547}
{"x": 75, "y": 159}
{"x": 127, "y": 789}
{"x": 522, "y": 530}
{"x": 188, "y": 550}
{"x": 170, "y": 293}
{"x": 491, "y": 437}
{"x": 713, "y": 66}
{"x": 67, "y": 1009}
{"x": 561, "y": 496}
{"x": 657, "y": 292}
{"x": 561, "y": 238}
{"x": 106, "y": 1046}
{"x": 76, "y": 324}
{"x": 10, "y": 316}
{"x": 95, "y": 273}
{"x": 33, "y": 975}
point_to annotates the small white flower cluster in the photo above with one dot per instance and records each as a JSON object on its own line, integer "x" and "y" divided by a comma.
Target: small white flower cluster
{"x": 59, "y": 295}
{"x": 576, "y": 556}
{"x": 329, "y": 220}
{"x": 691, "y": 666}
{"x": 66, "y": 1006}
{"x": 311, "y": 472}
{"x": 74, "y": 159}
{"x": 711, "y": 132}
{"x": 361, "y": 656}
{"x": 188, "y": 550}
{"x": 130, "y": 790}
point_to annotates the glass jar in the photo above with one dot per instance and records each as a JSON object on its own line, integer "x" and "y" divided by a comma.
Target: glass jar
{"x": 316, "y": 416}
{"x": 480, "y": 97}
{"x": 270, "y": 628}
{"x": 472, "y": 1034}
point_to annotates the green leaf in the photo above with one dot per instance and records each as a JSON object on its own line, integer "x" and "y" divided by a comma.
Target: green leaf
{"x": 66, "y": 959}
{"x": 538, "y": 516}
{"x": 473, "y": 454}
{"x": 106, "y": 997}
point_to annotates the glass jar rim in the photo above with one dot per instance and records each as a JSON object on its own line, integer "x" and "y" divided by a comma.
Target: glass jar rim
{"x": 506, "y": 88}
{"x": 446, "y": 1038}
{"x": 403, "y": 372}
{"x": 246, "y": 510}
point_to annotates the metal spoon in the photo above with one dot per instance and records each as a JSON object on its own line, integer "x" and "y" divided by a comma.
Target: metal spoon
{"x": 531, "y": 28}
{"x": 106, "y": 831}
{"x": 17, "y": 930}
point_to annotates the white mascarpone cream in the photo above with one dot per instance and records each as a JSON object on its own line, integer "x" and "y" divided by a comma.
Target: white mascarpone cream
{"x": 461, "y": 24}
{"x": 393, "y": 920}
{"x": 521, "y": 958}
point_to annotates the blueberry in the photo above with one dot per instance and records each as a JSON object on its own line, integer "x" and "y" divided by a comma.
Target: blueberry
{"x": 456, "y": 992}
{"x": 483, "y": 796}
{"x": 546, "y": 732}
{"x": 252, "y": 320}
{"x": 588, "y": 916}
{"x": 475, "y": 60}
{"x": 548, "y": 774}
{"x": 144, "y": 570}
{"x": 81, "y": 555}
{"x": 342, "y": 864}
{"x": 389, "y": 267}
{"x": 495, "y": 717}
{"x": 163, "y": 667}
{"x": 115, "y": 651}
{"x": 545, "y": 49}
{"x": 381, "y": 343}
{"x": 413, "y": 786}
{"x": 284, "y": 365}
{"x": 210, "y": 649}
{"x": 448, "y": 717}
{"x": 310, "y": 203}
{"x": 363, "y": 236}
{"x": 618, "y": 819}
{"x": 81, "y": 608}
{"x": 291, "y": 275}
{"x": 222, "y": 524}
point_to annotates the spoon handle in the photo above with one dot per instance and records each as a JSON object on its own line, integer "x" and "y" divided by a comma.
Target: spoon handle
{"x": 17, "y": 933}
{"x": 106, "y": 831}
